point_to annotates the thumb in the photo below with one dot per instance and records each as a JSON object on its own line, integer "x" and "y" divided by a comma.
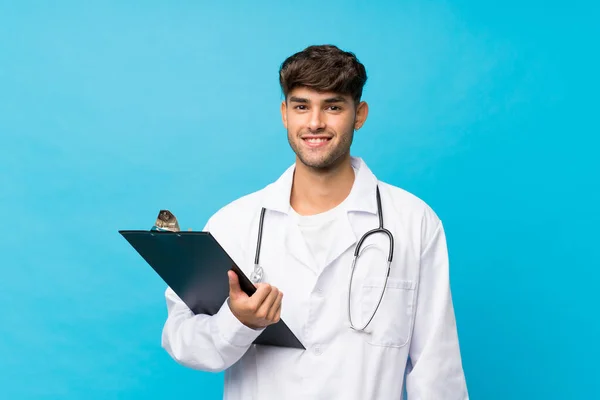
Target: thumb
{"x": 234, "y": 285}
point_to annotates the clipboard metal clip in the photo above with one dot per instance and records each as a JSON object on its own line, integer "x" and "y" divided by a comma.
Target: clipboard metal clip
{"x": 166, "y": 221}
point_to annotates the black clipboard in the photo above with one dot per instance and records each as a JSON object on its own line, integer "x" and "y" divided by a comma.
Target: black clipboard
{"x": 194, "y": 265}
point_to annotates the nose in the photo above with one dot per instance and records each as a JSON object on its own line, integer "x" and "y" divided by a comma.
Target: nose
{"x": 317, "y": 121}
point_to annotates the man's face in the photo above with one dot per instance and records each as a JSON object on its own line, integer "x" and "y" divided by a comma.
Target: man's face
{"x": 321, "y": 126}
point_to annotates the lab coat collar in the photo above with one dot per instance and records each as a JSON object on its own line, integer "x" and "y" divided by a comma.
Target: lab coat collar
{"x": 362, "y": 197}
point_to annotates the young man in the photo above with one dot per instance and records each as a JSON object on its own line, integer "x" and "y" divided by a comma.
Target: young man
{"x": 368, "y": 331}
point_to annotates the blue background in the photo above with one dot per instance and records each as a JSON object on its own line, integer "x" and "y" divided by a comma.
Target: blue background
{"x": 110, "y": 111}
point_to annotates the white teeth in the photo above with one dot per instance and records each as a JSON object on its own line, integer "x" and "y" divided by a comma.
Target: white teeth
{"x": 316, "y": 140}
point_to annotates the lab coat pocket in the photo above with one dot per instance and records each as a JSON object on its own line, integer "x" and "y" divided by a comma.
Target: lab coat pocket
{"x": 392, "y": 324}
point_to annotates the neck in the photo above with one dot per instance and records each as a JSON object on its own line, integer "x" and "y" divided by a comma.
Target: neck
{"x": 318, "y": 190}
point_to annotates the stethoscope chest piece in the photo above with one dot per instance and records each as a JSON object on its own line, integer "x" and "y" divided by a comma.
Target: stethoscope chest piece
{"x": 257, "y": 274}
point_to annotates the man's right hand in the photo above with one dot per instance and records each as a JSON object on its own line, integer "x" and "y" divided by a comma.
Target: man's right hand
{"x": 260, "y": 310}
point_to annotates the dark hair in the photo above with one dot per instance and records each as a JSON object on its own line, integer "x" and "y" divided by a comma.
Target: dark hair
{"x": 323, "y": 68}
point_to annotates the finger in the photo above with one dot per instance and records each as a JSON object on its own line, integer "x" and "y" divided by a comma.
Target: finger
{"x": 275, "y": 310}
{"x": 276, "y": 305}
{"x": 268, "y": 303}
{"x": 234, "y": 285}
{"x": 278, "y": 315}
{"x": 262, "y": 291}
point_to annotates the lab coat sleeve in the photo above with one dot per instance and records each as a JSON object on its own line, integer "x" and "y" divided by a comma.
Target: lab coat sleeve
{"x": 203, "y": 342}
{"x": 435, "y": 370}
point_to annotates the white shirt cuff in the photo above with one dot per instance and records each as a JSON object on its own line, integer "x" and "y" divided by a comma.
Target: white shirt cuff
{"x": 232, "y": 330}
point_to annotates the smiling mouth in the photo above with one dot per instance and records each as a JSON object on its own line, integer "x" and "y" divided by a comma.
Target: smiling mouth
{"x": 316, "y": 141}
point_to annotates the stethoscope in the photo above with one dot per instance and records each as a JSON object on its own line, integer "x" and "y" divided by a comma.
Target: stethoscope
{"x": 257, "y": 274}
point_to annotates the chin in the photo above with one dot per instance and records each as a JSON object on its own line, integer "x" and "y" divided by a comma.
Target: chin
{"x": 321, "y": 163}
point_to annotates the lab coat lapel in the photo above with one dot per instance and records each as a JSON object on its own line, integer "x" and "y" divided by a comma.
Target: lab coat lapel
{"x": 296, "y": 245}
{"x": 344, "y": 239}
{"x": 277, "y": 198}
{"x": 362, "y": 199}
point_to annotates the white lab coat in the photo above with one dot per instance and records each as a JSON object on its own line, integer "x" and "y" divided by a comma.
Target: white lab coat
{"x": 412, "y": 340}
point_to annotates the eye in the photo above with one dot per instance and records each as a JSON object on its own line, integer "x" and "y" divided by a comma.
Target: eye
{"x": 300, "y": 107}
{"x": 335, "y": 108}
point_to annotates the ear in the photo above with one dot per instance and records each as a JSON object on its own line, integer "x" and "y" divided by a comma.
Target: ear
{"x": 362, "y": 111}
{"x": 284, "y": 113}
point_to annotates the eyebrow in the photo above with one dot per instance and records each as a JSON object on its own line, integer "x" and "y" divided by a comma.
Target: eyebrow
{"x": 335, "y": 100}
{"x": 295, "y": 99}
{"x": 338, "y": 99}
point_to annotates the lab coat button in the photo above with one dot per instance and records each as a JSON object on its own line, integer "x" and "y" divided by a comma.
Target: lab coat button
{"x": 319, "y": 292}
{"x": 318, "y": 350}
